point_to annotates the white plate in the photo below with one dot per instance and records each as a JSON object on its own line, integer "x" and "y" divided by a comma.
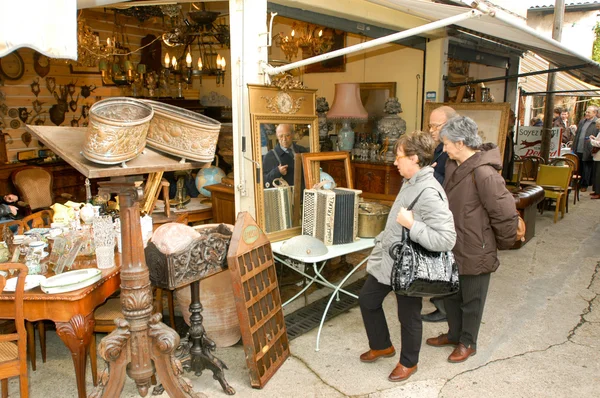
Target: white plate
{"x": 31, "y": 282}
{"x": 72, "y": 280}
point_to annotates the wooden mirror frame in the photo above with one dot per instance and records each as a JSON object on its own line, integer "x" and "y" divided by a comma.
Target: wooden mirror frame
{"x": 257, "y": 120}
{"x": 311, "y": 163}
{"x": 480, "y": 112}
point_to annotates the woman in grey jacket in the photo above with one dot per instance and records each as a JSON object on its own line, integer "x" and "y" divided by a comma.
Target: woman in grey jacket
{"x": 432, "y": 226}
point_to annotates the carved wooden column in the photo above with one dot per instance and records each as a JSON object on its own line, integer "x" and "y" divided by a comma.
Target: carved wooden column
{"x": 141, "y": 344}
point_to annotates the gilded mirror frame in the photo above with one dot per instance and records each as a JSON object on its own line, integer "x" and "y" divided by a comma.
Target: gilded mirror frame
{"x": 267, "y": 106}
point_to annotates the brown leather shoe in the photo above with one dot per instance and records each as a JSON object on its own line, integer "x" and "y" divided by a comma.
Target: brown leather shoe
{"x": 461, "y": 353}
{"x": 440, "y": 341}
{"x": 401, "y": 373}
{"x": 373, "y": 355}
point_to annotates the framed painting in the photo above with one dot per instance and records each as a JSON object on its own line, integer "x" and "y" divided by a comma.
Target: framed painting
{"x": 491, "y": 118}
{"x": 373, "y": 97}
{"x": 337, "y": 64}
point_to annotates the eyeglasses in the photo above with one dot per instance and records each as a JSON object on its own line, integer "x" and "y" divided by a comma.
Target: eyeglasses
{"x": 435, "y": 125}
{"x": 400, "y": 157}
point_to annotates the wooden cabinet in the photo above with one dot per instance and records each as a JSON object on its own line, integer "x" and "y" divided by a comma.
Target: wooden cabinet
{"x": 65, "y": 179}
{"x": 379, "y": 181}
{"x": 223, "y": 202}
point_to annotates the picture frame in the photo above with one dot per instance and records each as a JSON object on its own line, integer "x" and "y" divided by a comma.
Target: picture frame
{"x": 491, "y": 118}
{"x": 373, "y": 96}
{"x": 311, "y": 166}
{"x": 84, "y": 70}
{"x": 337, "y": 64}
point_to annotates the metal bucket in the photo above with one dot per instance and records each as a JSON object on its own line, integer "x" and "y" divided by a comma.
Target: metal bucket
{"x": 371, "y": 219}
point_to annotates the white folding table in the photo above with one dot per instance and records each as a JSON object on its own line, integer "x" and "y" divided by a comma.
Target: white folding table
{"x": 318, "y": 263}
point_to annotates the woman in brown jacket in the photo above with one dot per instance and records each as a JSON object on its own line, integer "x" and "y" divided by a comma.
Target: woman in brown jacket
{"x": 485, "y": 219}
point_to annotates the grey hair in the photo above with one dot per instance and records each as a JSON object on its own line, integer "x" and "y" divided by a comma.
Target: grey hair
{"x": 462, "y": 128}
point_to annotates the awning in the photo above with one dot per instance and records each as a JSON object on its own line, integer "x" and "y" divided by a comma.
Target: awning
{"x": 565, "y": 84}
{"x": 504, "y": 28}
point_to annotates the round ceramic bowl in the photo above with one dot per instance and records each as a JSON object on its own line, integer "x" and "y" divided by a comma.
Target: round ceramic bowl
{"x": 117, "y": 130}
{"x": 183, "y": 133}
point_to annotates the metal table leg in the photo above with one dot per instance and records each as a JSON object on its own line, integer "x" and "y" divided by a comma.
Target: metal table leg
{"x": 336, "y": 293}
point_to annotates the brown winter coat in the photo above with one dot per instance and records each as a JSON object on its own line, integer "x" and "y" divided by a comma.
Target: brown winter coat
{"x": 485, "y": 216}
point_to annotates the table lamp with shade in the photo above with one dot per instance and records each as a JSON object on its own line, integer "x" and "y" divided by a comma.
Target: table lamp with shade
{"x": 347, "y": 107}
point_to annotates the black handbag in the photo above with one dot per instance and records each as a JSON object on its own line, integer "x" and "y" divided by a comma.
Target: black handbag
{"x": 419, "y": 272}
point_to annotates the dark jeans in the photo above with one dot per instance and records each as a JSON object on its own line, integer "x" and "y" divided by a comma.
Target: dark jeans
{"x": 371, "y": 299}
{"x": 465, "y": 309}
{"x": 585, "y": 169}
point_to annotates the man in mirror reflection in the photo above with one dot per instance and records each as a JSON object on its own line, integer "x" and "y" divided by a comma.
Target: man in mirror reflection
{"x": 279, "y": 162}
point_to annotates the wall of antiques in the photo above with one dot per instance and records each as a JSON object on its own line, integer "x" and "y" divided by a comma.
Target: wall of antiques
{"x": 35, "y": 89}
{"x": 394, "y": 63}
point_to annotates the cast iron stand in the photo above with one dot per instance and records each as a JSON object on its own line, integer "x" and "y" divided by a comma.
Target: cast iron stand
{"x": 141, "y": 345}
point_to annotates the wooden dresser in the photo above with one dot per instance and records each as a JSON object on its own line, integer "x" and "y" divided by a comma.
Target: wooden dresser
{"x": 378, "y": 181}
{"x": 65, "y": 179}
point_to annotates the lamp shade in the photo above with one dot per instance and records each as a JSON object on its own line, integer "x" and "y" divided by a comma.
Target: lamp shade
{"x": 347, "y": 104}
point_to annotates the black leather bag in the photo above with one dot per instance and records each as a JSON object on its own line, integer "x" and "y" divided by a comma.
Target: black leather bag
{"x": 419, "y": 272}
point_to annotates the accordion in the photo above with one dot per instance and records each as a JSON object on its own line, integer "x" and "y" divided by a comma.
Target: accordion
{"x": 278, "y": 207}
{"x": 331, "y": 215}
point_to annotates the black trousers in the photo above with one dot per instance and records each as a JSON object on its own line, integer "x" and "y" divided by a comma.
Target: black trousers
{"x": 371, "y": 299}
{"x": 585, "y": 169}
{"x": 465, "y": 309}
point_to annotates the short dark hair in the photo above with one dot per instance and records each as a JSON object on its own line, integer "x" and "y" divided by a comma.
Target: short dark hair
{"x": 417, "y": 143}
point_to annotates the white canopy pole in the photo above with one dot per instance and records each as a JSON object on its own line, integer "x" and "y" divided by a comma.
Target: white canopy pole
{"x": 372, "y": 43}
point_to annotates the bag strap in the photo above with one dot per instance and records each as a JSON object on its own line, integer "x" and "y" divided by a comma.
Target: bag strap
{"x": 410, "y": 207}
{"x": 276, "y": 156}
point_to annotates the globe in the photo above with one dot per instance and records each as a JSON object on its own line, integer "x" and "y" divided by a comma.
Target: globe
{"x": 326, "y": 177}
{"x": 208, "y": 176}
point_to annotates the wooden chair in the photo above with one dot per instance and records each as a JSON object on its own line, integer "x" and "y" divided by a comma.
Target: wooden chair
{"x": 555, "y": 181}
{"x": 576, "y": 179}
{"x": 530, "y": 167}
{"x": 34, "y": 186}
{"x": 40, "y": 219}
{"x": 16, "y": 226}
{"x": 560, "y": 161}
{"x": 13, "y": 346}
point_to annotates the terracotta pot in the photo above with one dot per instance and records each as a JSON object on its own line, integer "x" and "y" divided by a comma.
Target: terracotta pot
{"x": 219, "y": 314}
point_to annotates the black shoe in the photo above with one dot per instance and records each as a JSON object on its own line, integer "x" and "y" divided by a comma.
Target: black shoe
{"x": 435, "y": 316}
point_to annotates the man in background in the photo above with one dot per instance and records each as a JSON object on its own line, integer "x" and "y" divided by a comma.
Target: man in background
{"x": 563, "y": 122}
{"x": 582, "y": 147}
{"x": 279, "y": 162}
{"x": 437, "y": 120}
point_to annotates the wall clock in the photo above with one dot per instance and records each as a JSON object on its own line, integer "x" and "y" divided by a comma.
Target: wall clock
{"x": 12, "y": 66}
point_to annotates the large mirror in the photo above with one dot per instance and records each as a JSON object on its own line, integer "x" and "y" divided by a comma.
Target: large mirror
{"x": 284, "y": 125}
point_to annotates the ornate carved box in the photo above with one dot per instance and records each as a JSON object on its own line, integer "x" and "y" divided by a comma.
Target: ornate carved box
{"x": 117, "y": 130}
{"x": 183, "y": 133}
{"x": 205, "y": 255}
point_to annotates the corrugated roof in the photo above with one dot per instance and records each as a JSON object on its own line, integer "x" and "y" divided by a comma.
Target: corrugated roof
{"x": 563, "y": 81}
{"x": 584, "y": 4}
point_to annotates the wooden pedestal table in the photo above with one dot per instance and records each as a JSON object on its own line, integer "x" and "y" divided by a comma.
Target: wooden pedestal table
{"x": 141, "y": 345}
{"x": 141, "y": 342}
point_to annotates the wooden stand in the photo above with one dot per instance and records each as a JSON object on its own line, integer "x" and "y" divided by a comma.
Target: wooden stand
{"x": 141, "y": 345}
